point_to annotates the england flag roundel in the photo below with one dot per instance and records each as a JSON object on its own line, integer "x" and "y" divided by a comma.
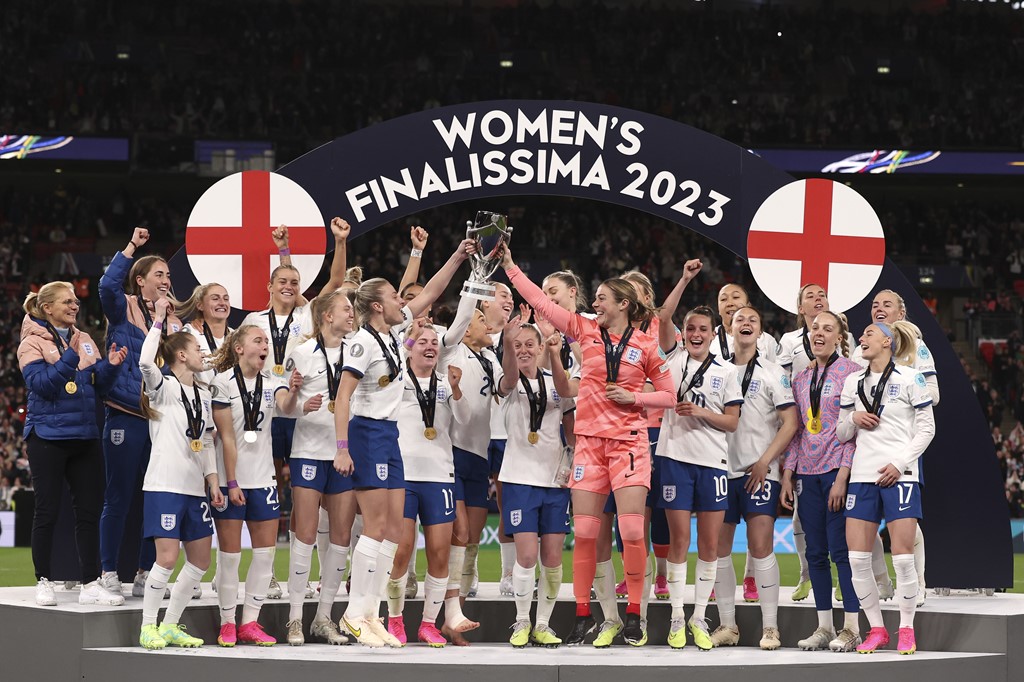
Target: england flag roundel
{"x": 228, "y": 238}
{"x": 816, "y": 232}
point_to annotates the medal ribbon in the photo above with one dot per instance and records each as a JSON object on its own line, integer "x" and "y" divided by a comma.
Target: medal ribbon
{"x": 250, "y": 401}
{"x": 193, "y": 414}
{"x": 210, "y": 341}
{"x": 698, "y": 377}
{"x": 391, "y": 359}
{"x": 333, "y": 375}
{"x": 147, "y": 317}
{"x": 723, "y": 343}
{"x": 487, "y": 367}
{"x": 565, "y": 353}
{"x": 613, "y": 353}
{"x": 748, "y": 374}
{"x": 875, "y": 405}
{"x": 62, "y": 345}
{"x": 807, "y": 345}
{"x": 279, "y": 337}
{"x": 817, "y": 385}
{"x": 427, "y": 399}
{"x": 538, "y": 400}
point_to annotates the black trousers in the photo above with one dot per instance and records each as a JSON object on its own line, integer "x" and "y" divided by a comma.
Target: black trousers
{"x": 80, "y": 463}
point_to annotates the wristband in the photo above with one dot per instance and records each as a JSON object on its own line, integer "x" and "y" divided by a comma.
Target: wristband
{"x": 232, "y": 485}
{"x": 285, "y": 251}
{"x": 342, "y": 444}
{"x": 409, "y": 343}
{"x": 416, "y": 253}
{"x": 159, "y": 324}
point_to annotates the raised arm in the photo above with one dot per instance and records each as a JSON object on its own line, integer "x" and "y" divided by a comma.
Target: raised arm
{"x": 340, "y": 229}
{"x": 152, "y": 378}
{"x": 564, "y": 321}
{"x": 667, "y": 330}
{"x": 418, "y": 236}
{"x": 436, "y": 286}
{"x": 509, "y": 369}
{"x": 112, "y": 282}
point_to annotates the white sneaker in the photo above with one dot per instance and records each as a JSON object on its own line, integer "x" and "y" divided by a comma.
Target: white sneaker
{"x": 412, "y": 587}
{"x": 376, "y": 626}
{"x": 139, "y": 586}
{"x": 197, "y": 591}
{"x": 310, "y": 592}
{"x": 505, "y": 587}
{"x": 819, "y": 639}
{"x": 96, "y": 593}
{"x": 111, "y": 583}
{"x": 71, "y": 585}
{"x": 44, "y": 593}
{"x": 274, "y": 591}
{"x": 886, "y": 591}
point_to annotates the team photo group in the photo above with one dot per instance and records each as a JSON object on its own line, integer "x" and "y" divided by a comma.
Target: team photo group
{"x": 605, "y": 414}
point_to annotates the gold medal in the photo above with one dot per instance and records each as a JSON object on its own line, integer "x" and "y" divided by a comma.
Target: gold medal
{"x": 384, "y": 381}
{"x": 814, "y": 425}
{"x": 71, "y": 388}
{"x": 196, "y": 445}
{"x": 533, "y": 437}
{"x": 430, "y": 433}
{"x": 330, "y": 406}
{"x": 279, "y": 370}
{"x": 568, "y": 374}
{"x": 610, "y": 384}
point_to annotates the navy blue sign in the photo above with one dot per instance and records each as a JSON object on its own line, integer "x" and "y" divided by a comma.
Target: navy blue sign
{"x": 701, "y": 182}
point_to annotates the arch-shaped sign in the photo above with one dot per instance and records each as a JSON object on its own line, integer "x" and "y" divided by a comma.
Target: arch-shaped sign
{"x": 701, "y": 182}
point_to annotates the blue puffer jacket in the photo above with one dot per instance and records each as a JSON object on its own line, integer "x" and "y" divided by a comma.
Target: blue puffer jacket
{"x": 126, "y": 326}
{"x": 53, "y": 413}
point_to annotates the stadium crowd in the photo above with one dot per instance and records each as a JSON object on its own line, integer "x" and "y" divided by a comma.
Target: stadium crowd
{"x": 270, "y": 70}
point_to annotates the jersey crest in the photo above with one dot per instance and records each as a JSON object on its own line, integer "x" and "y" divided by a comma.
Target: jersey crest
{"x": 116, "y": 436}
{"x": 633, "y": 355}
{"x": 668, "y": 492}
{"x": 309, "y": 471}
{"x": 851, "y": 502}
{"x": 516, "y": 517}
{"x": 168, "y": 521}
{"x": 382, "y": 472}
{"x": 577, "y": 472}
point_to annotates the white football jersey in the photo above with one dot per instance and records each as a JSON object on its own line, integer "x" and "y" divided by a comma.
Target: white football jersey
{"x": 906, "y": 392}
{"x": 315, "y": 436}
{"x": 767, "y": 346}
{"x": 792, "y": 354}
{"x": 769, "y": 391}
{"x": 497, "y": 416}
{"x": 533, "y": 464}
{"x": 425, "y": 459}
{"x": 207, "y": 375}
{"x": 173, "y": 466}
{"x": 688, "y": 439}
{"x": 365, "y": 358}
{"x": 478, "y": 392}
{"x": 924, "y": 362}
{"x": 301, "y": 326}
{"x": 254, "y": 467}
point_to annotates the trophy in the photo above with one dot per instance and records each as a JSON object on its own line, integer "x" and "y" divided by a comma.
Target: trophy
{"x": 491, "y": 232}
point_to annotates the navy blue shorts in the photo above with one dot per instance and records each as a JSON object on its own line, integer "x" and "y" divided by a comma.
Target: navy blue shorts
{"x": 532, "y": 509}
{"x": 281, "y": 431}
{"x": 173, "y": 515}
{"x": 472, "y": 479}
{"x": 692, "y": 487}
{"x": 496, "y": 455}
{"x": 742, "y": 504}
{"x": 261, "y": 504}
{"x": 373, "y": 444}
{"x": 318, "y": 475}
{"x": 870, "y": 502}
{"x": 433, "y": 502}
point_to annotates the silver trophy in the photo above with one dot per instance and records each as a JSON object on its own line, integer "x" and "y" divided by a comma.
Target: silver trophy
{"x": 491, "y": 232}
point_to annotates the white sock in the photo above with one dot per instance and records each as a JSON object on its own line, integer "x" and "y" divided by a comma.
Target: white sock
{"x": 704, "y": 582}
{"x": 604, "y": 586}
{"x": 906, "y": 587}
{"x": 433, "y": 597}
{"x": 331, "y": 573}
{"x": 725, "y": 591}
{"x": 748, "y": 567}
{"x": 867, "y": 590}
{"x": 508, "y": 558}
{"x": 878, "y": 567}
{"x": 364, "y": 565}
{"x": 456, "y": 564}
{"x": 323, "y": 539}
{"x": 298, "y": 575}
{"x": 645, "y": 596}
{"x": 396, "y": 596}
{"x": 357, "y": 532}
{"x": 676, "y": 587}
{"x": 800, "y": 540}
{"x": 766, "y": 575}
{"x": 257, "y": 580}
{"x": 851, "y": 621}
{"x": 662, "y": 565}
{"x": 385, "y": 561}
{"x": 156, "y": 583}
{"x": 181, "y": 592}
{"x": 227, "y": 584}
{"x": 824, "y": 620}
{"x": 412, "y": 564}
{"x": 919, "y": 557}
{"x": 550, "y": 584}
{"x": 468, "y": 573}
{"x": 522, "y": 588}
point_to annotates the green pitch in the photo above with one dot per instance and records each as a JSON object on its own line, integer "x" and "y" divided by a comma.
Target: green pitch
{"x": 16, "y": 567}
